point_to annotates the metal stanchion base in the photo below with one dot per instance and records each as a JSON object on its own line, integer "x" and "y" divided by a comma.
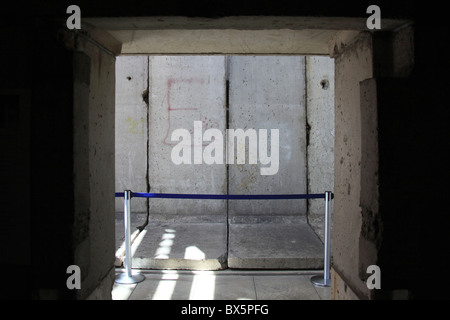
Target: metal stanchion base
{"x": 123, "y": 278}
{"x": 319, "y": 281}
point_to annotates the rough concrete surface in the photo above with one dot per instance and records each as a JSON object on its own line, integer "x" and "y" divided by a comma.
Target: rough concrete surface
{"x": 274, "y": 246}
{"x": 353, "y": 65}
{"x": 184, "y": 89}
{"x": 320, "y": 147}
{"x": 181, "y": 246}
{"x": 268, "y": 92}
{"x": 94, "y": 170}
{"x": 193, "y": 233}
{"x": 203, "y": 246}
{"x": 131, "y": 130}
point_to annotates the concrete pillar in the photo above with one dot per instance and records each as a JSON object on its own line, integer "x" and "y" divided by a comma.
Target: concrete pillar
{"x": 353, "y": 64}
{"x": 94, "y": 87}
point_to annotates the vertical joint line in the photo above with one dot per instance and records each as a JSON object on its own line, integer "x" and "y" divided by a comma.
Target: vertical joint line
{"x": 147, "y": 174}
{"x": 227, "y": 114}
{"x": 148, "y": 126}
{"x": 227, "y": 119}
{"x": 307, "y": 130}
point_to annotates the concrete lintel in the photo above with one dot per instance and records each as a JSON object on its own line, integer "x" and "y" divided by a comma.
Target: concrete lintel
{"x": 229, "y": 41}
{"x": 227, "y": 35}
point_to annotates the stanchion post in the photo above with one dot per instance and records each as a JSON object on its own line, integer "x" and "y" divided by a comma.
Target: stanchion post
{"x": 325, "y": 281}
{"x": 128, "y": 277}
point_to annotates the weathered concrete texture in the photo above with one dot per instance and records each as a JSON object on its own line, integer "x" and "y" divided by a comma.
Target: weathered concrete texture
{"x": 353, "y": 65}
{"x": 131, "y": 127}
{"x": 203, "y": 246}
{"x": 181, "y": 246}
{"x": 184, "y": 89}
{"x": 312, "y": 41}
{"x": 320, "y": 118}
{"x": 94, "y": 167}
{"x": 341, "y": 291}
{"x": 371, "y": 222}
{"x": 274, "y": 246}
{"x": 268, "y": 92}
{"x": 226, "y": 35}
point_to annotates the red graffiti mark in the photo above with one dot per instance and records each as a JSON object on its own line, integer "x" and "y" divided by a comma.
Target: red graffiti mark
{"x": 207, "y": 123}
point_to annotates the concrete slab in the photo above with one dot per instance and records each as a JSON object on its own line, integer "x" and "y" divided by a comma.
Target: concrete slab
{"x": 203, "y": 246}
{"x": 185, "y": 89}
{"x": 267, "y": 92}
{"x": 193, "y": 246}
{"x": 285, "y": 287}
{"x": 238, "y": 287}
{"x": 274, "y": 246}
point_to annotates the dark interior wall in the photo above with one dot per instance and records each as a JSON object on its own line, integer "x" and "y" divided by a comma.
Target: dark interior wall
{"x": 414, "y": 153}
{"x": 44, "y": 207}
{"x": 52, "y": 162}
{"x": 15, "y": 164}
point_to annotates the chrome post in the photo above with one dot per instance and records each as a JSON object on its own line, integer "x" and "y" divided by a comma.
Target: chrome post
{"x": 128, "y": 277}
{"x": 325, "y": 281}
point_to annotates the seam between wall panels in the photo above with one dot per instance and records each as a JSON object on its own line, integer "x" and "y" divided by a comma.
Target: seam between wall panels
{"x": 307, "y": 131}
{"x": 146, "y": 98}
{"x": 227, "y": 166}
{"x": 147, "y": 136}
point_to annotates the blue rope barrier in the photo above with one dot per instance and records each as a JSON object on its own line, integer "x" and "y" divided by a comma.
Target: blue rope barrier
{"x": 224, "y": 196}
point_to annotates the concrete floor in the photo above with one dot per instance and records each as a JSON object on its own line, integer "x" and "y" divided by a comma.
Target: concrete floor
{"x": 189, "y": 261}
{"x": 210, "y": 246}
{"x": 222, "y": 285}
